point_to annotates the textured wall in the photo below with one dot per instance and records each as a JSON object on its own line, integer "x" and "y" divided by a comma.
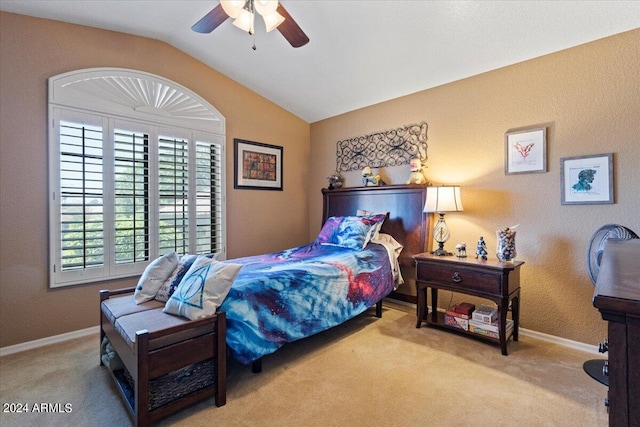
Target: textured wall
{"x": 588, "y": 97}
{"x": 32, "y": 50}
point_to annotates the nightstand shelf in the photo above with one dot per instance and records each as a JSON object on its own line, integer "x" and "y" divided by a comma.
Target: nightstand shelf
{"x": 489, "y": 279}
{"x": 439, "y": 323}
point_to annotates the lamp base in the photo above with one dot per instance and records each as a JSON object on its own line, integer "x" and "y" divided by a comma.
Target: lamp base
{"x": 440, "y": 251}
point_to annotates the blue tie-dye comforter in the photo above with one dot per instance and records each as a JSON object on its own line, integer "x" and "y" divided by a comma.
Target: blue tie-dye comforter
{"x": 284, "y": 296}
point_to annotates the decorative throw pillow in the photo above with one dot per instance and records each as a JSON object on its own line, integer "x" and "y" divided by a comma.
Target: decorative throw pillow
{"x": 202, "y": 289}
{"x": 348, "y": 231}
{"x": 154, "y": 276}
{"x": 169, "y": 286}
{"x": 376, "y": 229}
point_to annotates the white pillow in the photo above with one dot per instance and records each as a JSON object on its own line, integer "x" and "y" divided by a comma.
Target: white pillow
{"x": 202, "y": 289}
{"x": 393, "y": 250}
{"x": 154, "y": 276}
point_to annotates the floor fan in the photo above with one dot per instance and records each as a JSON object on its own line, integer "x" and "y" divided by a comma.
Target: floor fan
{"x": 597, "y": 368}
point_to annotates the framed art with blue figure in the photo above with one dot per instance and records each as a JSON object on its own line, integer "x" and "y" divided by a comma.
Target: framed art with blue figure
{"x": 587, "y": 179}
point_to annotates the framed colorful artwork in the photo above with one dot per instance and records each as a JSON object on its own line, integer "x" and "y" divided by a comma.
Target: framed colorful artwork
{"x": 587, "y": 179}
{"x": 525, "y": 151}
{"x": 257, "y": 166}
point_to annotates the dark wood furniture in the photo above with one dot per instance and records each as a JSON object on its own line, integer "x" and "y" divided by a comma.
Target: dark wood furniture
{"x": 617, "y": 296}
{"x": 406, "y": 222}
{"x": 492, "y": 280}
{"x": 150, "y": 355}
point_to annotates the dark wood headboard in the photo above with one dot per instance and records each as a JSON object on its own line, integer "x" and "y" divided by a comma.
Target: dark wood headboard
{"x": 406, "y": 223}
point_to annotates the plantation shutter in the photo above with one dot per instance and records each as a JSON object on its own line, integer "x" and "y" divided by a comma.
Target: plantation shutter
{"x": 173, "y": 190}
{"x": 209, "y": 198}
{"x": 136, "y": 170}
{"x": 81, "y": 196}
{"x": 131, "y": 196}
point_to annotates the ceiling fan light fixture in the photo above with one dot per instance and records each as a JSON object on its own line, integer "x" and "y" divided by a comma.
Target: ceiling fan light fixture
{"x": 266, "y": 7}
{"x": 272, "y": 20}
{"x": 242, "y": 13}
{"x": 232, "y": 7}
{"x": 244, "y": 21}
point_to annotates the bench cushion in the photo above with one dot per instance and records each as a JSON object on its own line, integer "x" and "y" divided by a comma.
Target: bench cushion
{"x": 151, "y": 320}
{"x": 117, "y": 307}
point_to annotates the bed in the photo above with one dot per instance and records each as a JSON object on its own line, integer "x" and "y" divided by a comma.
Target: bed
{"x": 354, "y": 263}
{"x": 165, "y": 341}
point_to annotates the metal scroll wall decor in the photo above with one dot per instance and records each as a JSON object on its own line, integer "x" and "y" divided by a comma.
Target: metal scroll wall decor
{"x": 394, "y": 147}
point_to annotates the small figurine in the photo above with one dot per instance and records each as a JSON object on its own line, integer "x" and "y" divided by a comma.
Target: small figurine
{"x": 416, "y": 176}
{"x": 461, "y": 248}
{"x": 481, "y": 249}
{"x": 369, "y": 179}
{"x": 335, "y": 181}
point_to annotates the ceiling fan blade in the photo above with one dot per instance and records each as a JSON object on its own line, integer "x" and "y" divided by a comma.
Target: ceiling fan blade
{"x": 211, "y": 20}
{"x": 291, "y": 30}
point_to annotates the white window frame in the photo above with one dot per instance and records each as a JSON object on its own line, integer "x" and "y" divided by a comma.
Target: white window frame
{"x": 133, "y": 100}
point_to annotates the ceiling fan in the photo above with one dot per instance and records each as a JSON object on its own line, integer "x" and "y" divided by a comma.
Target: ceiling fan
{"x": 243, "y": 12}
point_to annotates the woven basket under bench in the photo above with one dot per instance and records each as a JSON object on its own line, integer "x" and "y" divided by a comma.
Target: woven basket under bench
{"x": 165, "y": 368}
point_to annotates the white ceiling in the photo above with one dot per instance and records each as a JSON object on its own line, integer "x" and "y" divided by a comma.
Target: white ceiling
{"x": 361, "y": 51}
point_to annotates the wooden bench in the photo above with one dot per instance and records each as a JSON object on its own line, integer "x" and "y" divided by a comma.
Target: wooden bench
{"x": 170, "y": 362}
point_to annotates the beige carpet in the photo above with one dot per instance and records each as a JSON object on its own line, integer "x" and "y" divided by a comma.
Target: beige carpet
{"x": 368, "y": 371}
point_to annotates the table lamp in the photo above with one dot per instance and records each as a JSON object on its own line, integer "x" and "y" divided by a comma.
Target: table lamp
{"x": 441, "y": 200}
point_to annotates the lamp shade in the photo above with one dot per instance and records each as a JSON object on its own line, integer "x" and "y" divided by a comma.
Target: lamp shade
{"x": 272, "y": 20}
{"x": 244, "y": 21}
{"x": 266, "y": 7}
{"x": 443, "y": 199}
{"x": 232, "y": 7}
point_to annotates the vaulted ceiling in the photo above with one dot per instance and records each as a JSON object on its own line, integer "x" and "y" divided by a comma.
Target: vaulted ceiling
{"x": 361, "y": 51}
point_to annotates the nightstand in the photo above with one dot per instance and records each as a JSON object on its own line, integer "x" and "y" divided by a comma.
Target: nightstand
{"x": 490, "y": 279}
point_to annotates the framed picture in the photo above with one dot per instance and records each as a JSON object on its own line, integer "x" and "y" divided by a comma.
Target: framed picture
{"x": 587, "y": 179}
{"x": 525, "y": 151}
{"x": 257, "y": 166}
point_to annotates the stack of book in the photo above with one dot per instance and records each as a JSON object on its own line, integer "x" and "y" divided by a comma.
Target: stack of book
{"x": 484, "y": 321}
{"x": 458, "y": 316}
{"x": 490, "y": 330}
{"x": 485, "y": 314}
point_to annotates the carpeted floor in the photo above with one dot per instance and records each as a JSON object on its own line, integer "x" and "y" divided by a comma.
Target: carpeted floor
{"x": 368, "y": 371}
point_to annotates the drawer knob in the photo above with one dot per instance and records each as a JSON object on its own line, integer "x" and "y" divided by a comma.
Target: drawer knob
{"x": 456, "y": 277}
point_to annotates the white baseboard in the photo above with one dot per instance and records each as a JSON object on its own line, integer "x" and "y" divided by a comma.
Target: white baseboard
{"x": 30, "y": 345}
{"x": 576, "y": 345}
{"x": 5, "y": 351}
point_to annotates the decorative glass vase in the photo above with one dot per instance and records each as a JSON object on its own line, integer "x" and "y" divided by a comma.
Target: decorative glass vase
{"x": 506, "y": 250}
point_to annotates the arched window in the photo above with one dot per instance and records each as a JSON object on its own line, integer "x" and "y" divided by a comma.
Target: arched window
{"x": 136, "y": 170}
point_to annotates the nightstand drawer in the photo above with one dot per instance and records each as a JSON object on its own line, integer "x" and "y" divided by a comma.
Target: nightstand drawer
{"x": 460, "y": 278}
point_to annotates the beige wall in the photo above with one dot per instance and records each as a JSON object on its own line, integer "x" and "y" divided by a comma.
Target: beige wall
{"x": 589, "y": 98}
{"x": 31, "y": 51}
